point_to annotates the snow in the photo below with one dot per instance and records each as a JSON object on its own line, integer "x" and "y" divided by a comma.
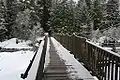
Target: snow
{"x": 13, "y": 64}
{"x": 40, "y": 38}
{"x": 12, "y": 44}
{"x": 95, "y": 78}
{"x": 34, "y": 68}
{"x": 69, "y": 59}
{"x": 102, "y": 39}
{"x": 33, "y": 71}
{"x": 47, "y": 60}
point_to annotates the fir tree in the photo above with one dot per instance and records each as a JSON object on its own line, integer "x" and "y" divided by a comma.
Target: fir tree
{"x": 112, "y": 10}
{"x": 63, "y": 17}
{"x": 3, "y": 29}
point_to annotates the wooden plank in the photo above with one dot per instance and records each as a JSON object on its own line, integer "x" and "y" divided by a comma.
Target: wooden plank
{"x": 58, "y": 70}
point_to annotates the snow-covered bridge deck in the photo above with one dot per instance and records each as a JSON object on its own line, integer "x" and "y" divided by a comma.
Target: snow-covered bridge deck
{"x": 54, "y": 62}
{"x": 102, "y": 63}
{"x": 62, "y": 65}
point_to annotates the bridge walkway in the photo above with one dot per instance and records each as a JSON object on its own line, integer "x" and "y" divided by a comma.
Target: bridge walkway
{"x": 58, "y": 70}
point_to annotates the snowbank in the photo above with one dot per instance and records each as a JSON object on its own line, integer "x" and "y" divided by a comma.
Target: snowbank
{"x": 12, "y": 44}
{"x": 13, "y": 64}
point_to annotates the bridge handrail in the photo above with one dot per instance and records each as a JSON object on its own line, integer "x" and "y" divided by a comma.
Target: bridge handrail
{"x": 39, "y": 56}
{"x": 41, "y": 66}
{"x": 111, "y": 52}
{"x": 24, "y": 75}
{"x": 103, "y": 63}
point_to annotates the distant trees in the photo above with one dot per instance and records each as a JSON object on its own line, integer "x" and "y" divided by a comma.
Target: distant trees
{"x": 11, "y": 11}
{"x": 113, "y": 16}
{"x": 69, "y": 17}
{"x": 3, "y": 29}
{"x": 22, "y": 25}
{"x": 60, "y": 16}
{"x": 83, "y": 17}
{"x": 95, "y": 10}
{"x": 22, "y": 16}
{"x": 30, "y": 19}
{"x": 41, "y": 10}
{"x": 63, "y": 17}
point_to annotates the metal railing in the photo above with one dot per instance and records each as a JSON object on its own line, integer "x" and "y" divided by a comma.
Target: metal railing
{"x": 102, "y": 63}
{"x": 24, "y": 75}
{"x": 40, "y": 67}
{"x": 40, "y": 75}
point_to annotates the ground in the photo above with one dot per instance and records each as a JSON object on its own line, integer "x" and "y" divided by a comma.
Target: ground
{"x": 12, "y": 64}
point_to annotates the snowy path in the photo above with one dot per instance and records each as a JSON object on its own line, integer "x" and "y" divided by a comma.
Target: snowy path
{"x": 61, "y": 57}
{"x": 56, "y": 69}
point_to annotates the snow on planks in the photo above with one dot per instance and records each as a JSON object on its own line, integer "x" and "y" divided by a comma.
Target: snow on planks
{"x": 57, "y": 69}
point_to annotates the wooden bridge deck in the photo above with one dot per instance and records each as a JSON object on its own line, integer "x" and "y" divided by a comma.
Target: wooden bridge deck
{"x": 63, "y": 66}
{"x": 57, "y": 69}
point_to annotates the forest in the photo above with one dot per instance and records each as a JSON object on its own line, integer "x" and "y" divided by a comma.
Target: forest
{"x": 38, "y": 34}
{"x": 26, "y": 19}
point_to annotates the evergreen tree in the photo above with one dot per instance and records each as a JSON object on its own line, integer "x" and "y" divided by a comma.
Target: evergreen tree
{"x": 45, "y": 15}
{"x": 97, "y": 15}
{"x": 3, "y": 29}
{"x": 95, "y": 10}
{"x": 10, "y": 16}
{"x": 63, "y": 17}
{"x": 112, "y": 10}
{"x": 81, "y": 15}
{"x": 40, "y": 11}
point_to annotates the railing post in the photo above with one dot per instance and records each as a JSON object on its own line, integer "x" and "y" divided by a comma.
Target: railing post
{"x": 116, "y": 69}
